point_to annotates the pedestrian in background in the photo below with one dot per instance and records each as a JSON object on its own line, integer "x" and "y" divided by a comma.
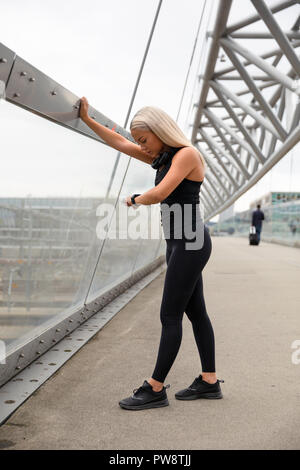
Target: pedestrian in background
{"x": 257, "y": 218}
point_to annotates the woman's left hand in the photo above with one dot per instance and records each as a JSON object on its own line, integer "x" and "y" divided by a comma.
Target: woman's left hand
{"x": 128, "y": 201}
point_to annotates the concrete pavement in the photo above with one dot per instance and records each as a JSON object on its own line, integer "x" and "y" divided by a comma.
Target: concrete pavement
{"x": 252, "y": 296}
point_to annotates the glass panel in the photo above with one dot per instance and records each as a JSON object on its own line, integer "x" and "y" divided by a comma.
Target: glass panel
{"x": 162, "y": 248}
{"x": 149, "y": 250}
{"x": 55, "y": 180}
{"x": 124, "y": 241}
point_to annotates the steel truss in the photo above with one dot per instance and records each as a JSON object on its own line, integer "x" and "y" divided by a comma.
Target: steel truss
{"x": 243, "y": 134}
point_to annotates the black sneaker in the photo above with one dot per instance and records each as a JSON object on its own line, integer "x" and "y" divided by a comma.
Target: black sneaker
{"x": 144, "y": 397}
{"x": 200, "y": 389}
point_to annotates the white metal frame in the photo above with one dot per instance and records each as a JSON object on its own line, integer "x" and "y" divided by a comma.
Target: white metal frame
{"x": 239, "y": 154}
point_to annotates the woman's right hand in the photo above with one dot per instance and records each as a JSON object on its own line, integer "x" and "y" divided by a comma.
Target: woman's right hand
{"x": 84, "y": 106}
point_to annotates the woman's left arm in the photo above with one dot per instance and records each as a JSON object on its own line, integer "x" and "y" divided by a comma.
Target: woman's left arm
{"x": 183, "y": 162}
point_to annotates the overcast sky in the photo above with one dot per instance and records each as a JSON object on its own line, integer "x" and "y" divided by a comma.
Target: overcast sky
{"x": 95, "y": 48}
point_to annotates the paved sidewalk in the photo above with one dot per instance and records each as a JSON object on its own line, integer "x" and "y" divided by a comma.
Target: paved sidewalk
{"x": 252, "y": 296}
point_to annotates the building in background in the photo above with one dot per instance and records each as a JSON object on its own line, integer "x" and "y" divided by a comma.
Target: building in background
{"x": 275, "y": 197}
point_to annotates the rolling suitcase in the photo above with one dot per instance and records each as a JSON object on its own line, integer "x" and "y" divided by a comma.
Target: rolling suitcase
{"x": 253, "y": 240}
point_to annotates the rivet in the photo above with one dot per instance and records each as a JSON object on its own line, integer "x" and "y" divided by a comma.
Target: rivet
{"x": 54, "y": 341}
{"x": 23, "y": 74}
{"x": 42, "y": 341}
{"x": 84, "y": 318}
{"x": 57, "y": 329}
{"x": 67, "y": 330}
{"x": 38, "y": 352}
{"x": 76, "y": 106}
{"x": 93, "y": 117}
{"x": 53, "y": 93}
{"x": 21, "y": 355}
{"x": 17, "y": 95}
{"x": 18, "y": 367}
{"x": 32, "y": 79}
{"x": 3, "y": 60}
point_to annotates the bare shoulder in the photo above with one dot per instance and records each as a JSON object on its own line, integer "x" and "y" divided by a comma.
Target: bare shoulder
{"x": 187, "y": 155}
{"x": 189, "y": 158}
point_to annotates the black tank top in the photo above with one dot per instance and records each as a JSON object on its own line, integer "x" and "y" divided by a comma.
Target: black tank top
{"x": 187, "y": 192}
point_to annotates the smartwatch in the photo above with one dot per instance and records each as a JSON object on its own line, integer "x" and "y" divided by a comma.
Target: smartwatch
{"x": 133, "y": 199}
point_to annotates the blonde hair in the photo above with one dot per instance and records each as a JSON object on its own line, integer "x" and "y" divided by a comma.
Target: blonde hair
{"x": 156, "y": 120}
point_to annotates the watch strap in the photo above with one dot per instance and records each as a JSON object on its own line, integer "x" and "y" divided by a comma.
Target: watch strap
{"x": 133, "y": 198}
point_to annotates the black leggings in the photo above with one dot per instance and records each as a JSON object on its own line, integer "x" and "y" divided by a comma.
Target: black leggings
{"x": 183, "y": 292}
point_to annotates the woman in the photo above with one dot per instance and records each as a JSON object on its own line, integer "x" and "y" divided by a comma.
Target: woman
{"x": 180, "y": 172}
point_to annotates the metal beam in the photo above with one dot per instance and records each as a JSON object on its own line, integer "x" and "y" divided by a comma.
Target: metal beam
{"x": 215, "y": 190}
{"x": 214, "y": 147}
{"x": 233, "y": 134}
{"x": 220, "y": 25}
{"x": 212, "y": 203}
{"x": 256, "y": 93}
{"x": 279, "y": 36}
{"x": 296, "y": 119}
{"x": 280, "y": 114}
{"x": 266, "y": 55}
{"x": 232, "y": 77}
{"x": 252, "y": 19}
{"x": 256, "y": 150}
{"x": 218, "y": 166}
{"x": 258, "y": 35}
{"x": 276, "y": 95}
{"x": 246, "y": 143}
{"x": 204, "y": 199}
{"x": 260, "y": 63}
{"x": 232, "y": 152}
{"x": 248, "y": 109}
{"x": 34, "y": 91}
{"x": 290, "y": 142}
{"x": 245, "y": 92}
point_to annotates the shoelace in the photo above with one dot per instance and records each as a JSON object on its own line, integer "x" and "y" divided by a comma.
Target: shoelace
{"x": 197, "y": 380}
{"x": 136, "y": 390}
{"x": 140, "y": 389}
